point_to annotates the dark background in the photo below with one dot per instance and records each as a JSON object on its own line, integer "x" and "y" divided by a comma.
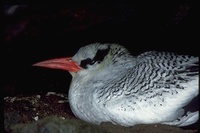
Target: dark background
{"x": 36, "y": 33}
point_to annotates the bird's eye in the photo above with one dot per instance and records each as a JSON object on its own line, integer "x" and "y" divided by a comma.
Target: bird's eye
{"x": 87, "y": 61}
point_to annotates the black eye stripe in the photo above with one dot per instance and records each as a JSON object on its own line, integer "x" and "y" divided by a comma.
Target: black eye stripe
{"x": 85, "y": 62}
{"x": 100, "y": 55}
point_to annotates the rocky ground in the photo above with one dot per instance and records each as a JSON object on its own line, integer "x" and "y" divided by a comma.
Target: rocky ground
{"x": 50, "y": 113}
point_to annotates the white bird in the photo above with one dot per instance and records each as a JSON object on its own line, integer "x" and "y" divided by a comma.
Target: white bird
{"x": 110, "y": 85}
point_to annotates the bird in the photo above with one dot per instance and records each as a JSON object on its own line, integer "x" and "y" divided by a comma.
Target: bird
{"x": 109, "y": 84}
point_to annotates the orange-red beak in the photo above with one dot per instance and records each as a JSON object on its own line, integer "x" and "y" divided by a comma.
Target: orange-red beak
{"x": 60, "y": 63}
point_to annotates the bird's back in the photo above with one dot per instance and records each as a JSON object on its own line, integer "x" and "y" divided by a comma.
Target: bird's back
{"x": 156, "y": 90}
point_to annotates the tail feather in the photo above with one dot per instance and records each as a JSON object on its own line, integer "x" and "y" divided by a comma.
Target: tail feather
{"x": 193, "y": 106}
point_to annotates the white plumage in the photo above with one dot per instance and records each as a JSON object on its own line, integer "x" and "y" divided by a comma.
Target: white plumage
{"x": 114, "y": 86}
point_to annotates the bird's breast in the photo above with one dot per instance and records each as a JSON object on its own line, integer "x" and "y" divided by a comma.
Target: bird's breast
{"x": 83, "y": 105}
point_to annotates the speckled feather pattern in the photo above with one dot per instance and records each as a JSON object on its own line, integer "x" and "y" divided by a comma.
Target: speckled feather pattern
{"x": 152, "y": 87}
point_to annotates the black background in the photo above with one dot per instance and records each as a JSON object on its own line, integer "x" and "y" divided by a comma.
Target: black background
{"x": 36, "y": 33}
